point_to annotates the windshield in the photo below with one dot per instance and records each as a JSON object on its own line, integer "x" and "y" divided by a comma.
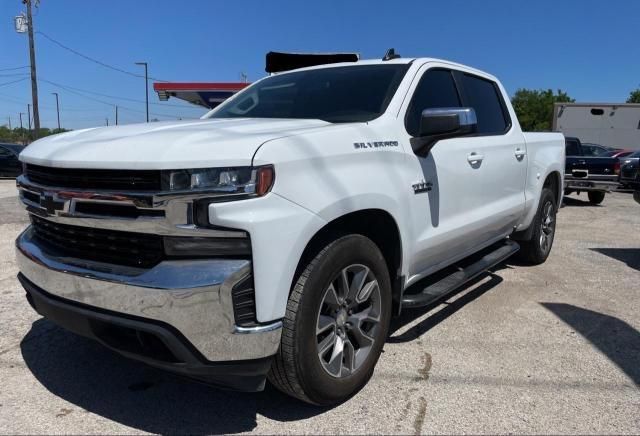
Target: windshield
{"x": 337, "y": 95}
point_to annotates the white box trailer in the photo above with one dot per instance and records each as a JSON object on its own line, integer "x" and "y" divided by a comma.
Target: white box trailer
{"x": 609, "y": 124}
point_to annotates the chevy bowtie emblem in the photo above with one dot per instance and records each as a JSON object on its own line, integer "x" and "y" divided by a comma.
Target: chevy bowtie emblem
{"x": 50, "y": 203}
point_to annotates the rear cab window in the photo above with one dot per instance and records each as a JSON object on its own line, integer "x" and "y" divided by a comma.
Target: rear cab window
{"x": 571, "y": 148}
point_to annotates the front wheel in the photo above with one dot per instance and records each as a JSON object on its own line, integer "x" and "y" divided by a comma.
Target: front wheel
{"x": 336, "y": 323}
{"x": 596, "y": 197}
{"x": 536, "y": 250}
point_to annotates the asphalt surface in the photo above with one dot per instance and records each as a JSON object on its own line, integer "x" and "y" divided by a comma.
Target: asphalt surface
{"x": 547, "y": 349}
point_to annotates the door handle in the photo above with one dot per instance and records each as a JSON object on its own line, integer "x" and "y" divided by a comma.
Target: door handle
{"x": 475, "y": 157}
{"x": 520, "y": 153}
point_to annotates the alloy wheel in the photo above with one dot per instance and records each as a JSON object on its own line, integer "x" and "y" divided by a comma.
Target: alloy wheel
{"x": 348, "y": 320}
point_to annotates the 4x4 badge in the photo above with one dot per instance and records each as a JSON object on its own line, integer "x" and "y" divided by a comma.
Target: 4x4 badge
{"x": 422, "y": 186}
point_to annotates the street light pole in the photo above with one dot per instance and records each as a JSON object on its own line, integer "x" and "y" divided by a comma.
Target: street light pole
{"x": 146, "y": 84}
{"x": 57, "y": 108}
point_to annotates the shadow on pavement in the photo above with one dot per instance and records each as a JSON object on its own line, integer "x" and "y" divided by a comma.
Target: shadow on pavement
{"x": 569, "y": 201}
{"x": 611, "y": 336}
{"x": 93, "y": 378}
{"x": 630, "y": 256}
{"x": 410, "y": 315}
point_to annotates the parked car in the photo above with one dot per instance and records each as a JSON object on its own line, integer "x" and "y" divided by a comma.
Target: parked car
{"x": 9, "y": 164}
{"x": 630, "y": 170}
{"x": 596, "y": 175}
{"x": 277, "y": 236}
{"x": 620, "y": 153}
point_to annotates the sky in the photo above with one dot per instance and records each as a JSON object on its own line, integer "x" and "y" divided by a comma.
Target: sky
{"x": 586, "y": 48}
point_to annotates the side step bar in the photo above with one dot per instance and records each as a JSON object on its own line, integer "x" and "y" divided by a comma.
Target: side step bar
{"x": 461, "y": 275}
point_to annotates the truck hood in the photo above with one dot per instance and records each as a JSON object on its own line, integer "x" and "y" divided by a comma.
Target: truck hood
{"x": 164, "y": 145}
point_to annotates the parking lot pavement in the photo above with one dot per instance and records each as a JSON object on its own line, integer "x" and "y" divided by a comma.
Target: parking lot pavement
{"x": 547, "y": 349}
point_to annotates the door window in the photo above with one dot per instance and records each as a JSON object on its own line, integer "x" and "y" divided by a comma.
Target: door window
{"x": 436, "y": 89}
{"x": 485, "y": 98}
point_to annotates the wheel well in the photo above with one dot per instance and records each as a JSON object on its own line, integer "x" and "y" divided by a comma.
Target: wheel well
{"x": 377, "y": 225}
{"x": 553, "y": 182}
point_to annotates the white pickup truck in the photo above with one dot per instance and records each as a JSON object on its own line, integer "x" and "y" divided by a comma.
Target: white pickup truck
{"x": 277, "y": 236}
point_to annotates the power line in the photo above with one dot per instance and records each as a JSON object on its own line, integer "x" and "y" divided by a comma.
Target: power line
{"x": 14, "y": 68}
{"x": 12, "y": 99}
{"x": 117, "y": 97}
{"x": 15, "y": 75}
{"x": 81, "y": 94}
{"x": 14, "y": 81}
{"x": 105, "y": 65}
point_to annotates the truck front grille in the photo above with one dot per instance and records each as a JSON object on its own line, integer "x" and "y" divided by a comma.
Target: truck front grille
{"x": 111, "y": 180}
{"x": 120, "y": 248}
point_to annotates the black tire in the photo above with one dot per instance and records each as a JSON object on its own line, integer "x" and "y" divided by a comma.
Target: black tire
{"x": 596, "y": 197}
{"x": 297, "y": 369}
{"x": 533, "y": 251}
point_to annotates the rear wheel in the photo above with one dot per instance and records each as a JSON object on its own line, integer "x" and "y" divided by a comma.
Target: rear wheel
{"x": 596, "y": 197}
{"x": 536, "y": 250}
{"x": 336, "y": 323}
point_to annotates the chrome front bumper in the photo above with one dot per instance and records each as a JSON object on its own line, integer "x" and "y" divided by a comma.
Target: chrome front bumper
{"x": 192, "y": 296}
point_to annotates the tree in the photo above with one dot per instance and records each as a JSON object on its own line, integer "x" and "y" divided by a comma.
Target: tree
{"x": 20, "y": 136}
{"x": 634, "y": 96}
{"x": 535, "y": 107}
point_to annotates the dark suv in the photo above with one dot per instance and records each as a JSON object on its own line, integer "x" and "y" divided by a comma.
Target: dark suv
{"x": 9, "y": 164}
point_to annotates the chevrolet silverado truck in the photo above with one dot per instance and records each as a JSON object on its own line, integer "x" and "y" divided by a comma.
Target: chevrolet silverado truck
{"x": 589, "y": 171}
{"x": 276, "y": 237}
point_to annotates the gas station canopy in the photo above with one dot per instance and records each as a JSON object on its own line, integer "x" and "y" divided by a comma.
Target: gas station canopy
{"x": 208, "y": 95}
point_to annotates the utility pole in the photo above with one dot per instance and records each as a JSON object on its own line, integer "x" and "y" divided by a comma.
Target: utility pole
{"x": 34, "y": 82}
{"x": 146, "y": 85}
{"x": 116, "y": 115}
{"x": 21, "y": 128}
{"x": 29, "y": 118}
{"x": 9, "y": 117}
{"x": 107, "y": 120}
{"x": 57, "y": 108}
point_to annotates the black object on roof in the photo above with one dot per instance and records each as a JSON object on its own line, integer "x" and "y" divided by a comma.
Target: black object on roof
{"x": 278, "y": 61}
{"x": 390, "y": 55}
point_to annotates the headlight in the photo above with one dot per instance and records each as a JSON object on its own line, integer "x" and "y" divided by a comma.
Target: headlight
{"x": 249, "y": 181}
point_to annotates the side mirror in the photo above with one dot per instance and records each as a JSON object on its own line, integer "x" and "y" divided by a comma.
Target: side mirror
{"x": 443, "y": 123}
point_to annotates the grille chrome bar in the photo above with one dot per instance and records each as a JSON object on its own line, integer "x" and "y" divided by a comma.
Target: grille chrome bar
{"x": 161, "y": 213}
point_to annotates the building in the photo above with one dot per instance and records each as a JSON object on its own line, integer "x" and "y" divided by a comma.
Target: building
{"x": 609, "y": 124}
